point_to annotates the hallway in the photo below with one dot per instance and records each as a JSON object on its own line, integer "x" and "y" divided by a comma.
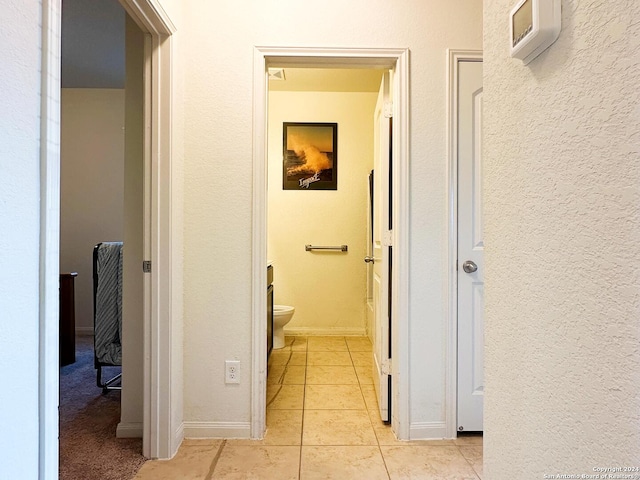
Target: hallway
{"x": 322, "y": 423}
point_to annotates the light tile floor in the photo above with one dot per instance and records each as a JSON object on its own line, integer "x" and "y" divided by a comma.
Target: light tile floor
{"x": 322, "y": 423}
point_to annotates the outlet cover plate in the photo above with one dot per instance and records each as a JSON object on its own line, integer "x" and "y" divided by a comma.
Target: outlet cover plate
{"x": 232, "y": 371}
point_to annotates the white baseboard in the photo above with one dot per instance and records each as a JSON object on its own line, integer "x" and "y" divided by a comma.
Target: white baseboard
{"x": 341, "y": 331}
{"x": 217, "y": 430}
{"x": 178, "y": 436}
{"x": 129, "y": 430}
{"x": 427, "y": 430}
{"x": 369, "y": 327}
{"x": 84, "y": 331}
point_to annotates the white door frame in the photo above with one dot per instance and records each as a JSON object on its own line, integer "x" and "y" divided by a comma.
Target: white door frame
{"x": 158, "y": 432}
{"x": 159, "y": 442}
{"x": 49, "y": 367}
{"x": 397, "y": 58}
{"x": 454, "y": 57}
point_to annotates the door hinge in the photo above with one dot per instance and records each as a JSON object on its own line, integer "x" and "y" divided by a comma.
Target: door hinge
{"x": 388, "y": 109}
{"x": 387, "y": 238}
{"x": 146, "y": 266}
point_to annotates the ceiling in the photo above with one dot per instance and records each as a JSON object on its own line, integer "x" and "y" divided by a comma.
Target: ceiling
{"x": 328, "y": 80}
{"x": 92, "y": 44}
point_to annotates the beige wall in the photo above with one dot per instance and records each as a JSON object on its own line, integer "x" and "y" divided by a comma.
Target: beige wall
{"x": 131, "y": 411}
{"x": 216, "y": 52}
{"x": 562, "y": 229}
{"x": 327, "y": 289}
{"x": 91, "y": 185}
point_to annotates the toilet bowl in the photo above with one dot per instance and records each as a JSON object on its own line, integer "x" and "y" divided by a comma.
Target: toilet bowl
{"x": 281, "y": 316}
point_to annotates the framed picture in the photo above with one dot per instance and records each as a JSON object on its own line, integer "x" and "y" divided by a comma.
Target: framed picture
{"x": 310, "y": 156}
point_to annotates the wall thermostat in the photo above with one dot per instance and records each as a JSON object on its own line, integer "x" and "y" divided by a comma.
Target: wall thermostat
{"x": 535, "y": 25}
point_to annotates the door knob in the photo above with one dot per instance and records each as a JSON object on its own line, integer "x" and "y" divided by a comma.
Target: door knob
{"x": 369, "y": 259}
{"x": 469, "y": 266}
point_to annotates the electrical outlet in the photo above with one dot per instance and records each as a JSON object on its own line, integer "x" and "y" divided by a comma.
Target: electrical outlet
{"x": 232, "y": 371}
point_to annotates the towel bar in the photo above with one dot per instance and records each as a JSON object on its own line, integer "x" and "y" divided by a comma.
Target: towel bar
{"x": 340, "y": 248}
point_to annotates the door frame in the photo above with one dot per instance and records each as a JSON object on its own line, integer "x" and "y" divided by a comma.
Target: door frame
{"x": 49, "y": 367}
{"x": 159, "y": 441}
{"x": 397, "y": 58}
{"x": 454, "y": 57}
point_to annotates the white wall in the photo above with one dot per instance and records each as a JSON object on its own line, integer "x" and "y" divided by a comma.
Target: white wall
{"x": 91, "y": 185}
{"x": 327, "y": 289}
{"x": 562, "y": 230}
{"x": 216, "y": 48}
{"x": 20, "y": 57}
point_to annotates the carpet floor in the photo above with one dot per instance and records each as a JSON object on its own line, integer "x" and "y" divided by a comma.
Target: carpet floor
{"x": 89, "y": 449}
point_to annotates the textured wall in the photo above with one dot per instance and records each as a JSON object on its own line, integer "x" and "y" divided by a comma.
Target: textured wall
{"x": 20, "y": 37}
{"x": 91, "y": 184}
{"x": 562, "y": 220}
{"x": 217, "y": 53}
{"x": 328, "y": 290}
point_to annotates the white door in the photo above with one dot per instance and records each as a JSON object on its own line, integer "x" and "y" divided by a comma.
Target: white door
{"x": 382, "y": 248}
{"x": 470, "y": 249}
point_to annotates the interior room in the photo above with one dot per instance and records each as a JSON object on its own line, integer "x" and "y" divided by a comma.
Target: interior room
{"x": 558, "y": 224}
{"x": 100, "y": 208}
{"x": 327, "y": 288}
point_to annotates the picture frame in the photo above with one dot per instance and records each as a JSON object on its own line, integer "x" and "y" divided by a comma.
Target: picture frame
{"x": 309, "y": 156}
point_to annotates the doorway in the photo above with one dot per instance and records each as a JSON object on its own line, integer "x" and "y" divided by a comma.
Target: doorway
{"x": 101, "y": 201}
{"x": 318, "y": 196}
{"x": 159, "y": 423}
{"x": 330, "y": 58}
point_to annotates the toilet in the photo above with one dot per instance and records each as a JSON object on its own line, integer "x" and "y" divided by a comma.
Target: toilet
{"x": 281, "y": 316}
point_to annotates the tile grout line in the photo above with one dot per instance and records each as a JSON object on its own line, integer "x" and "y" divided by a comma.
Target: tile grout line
{"x": 375, "y": 433}
{"x": 304, "y": 395}
{"x": 467, "y": 460}
{"x": 273, "y": 399}
{"x": 286, "y": 367}
{"x": 384, "y": 460}
{"x": 215, "y": 460}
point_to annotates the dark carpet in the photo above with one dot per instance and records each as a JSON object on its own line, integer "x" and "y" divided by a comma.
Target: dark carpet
{"x": 89, "y": 449}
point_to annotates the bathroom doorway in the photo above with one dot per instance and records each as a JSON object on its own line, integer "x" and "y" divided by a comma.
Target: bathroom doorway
{"x": 320, "y": 137}
{"x": 285, "y": 105}
{"x": 327, "y": 286}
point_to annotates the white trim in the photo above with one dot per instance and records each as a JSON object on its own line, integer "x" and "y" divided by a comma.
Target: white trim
{"x": 129, "y": 430}
{"x": 146, "y": 240}
{"x": 160, "y": 328}
{"x": 259, "y": 248}
{"x": 48, "y": 378}
{"x": 454, "y": 57}
{"x": 217, "y": 430}
{"x": 400, "y": 407}
{"x": 327, "y": 331}
{"x": 178, "y": 437}
{"x": 332, "y": 57}
{"x": 428, "y": 430}
{"x": 150, "y": 16}
{"x": 158, "y": 441}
